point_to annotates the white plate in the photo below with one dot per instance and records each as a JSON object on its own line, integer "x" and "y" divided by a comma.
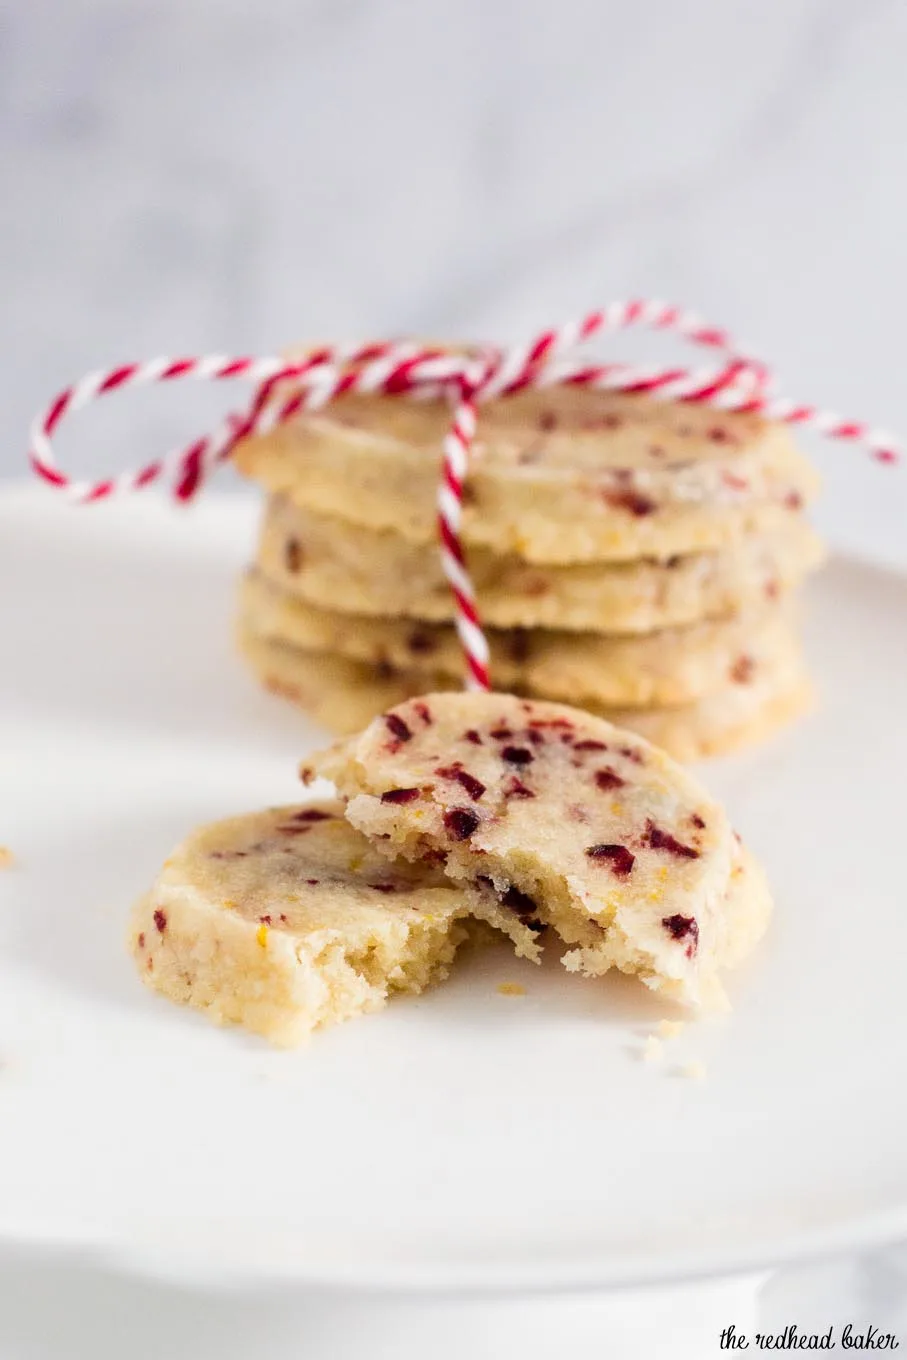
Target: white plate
{"x": 463, "y": 1139}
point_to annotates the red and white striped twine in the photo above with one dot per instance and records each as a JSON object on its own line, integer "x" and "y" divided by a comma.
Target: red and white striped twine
{"x": 741, "y": 383}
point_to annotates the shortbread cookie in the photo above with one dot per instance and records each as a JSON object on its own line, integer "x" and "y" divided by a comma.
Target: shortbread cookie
{"x": 557, "y": 476}
{"x": 746, "y": 712}
{"x": 288, "y": 919}
{"x": 344, "y": 695}
{"x": 672, "y": 666}
{"x": 598, "y": 833}
{"x": 359, "y": 571}
{"x": 746, "y": 910}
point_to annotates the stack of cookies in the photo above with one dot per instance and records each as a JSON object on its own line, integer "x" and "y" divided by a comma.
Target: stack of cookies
{"x": 637, "y": 558}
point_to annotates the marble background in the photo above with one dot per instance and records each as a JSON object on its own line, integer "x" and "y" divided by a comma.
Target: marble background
{"x": 193, "y": 175}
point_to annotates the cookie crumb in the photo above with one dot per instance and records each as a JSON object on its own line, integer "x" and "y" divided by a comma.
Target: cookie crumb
{"x": 669, "y": 1029}
{"x": 652, "y": 1050}
{"x": 7, "y": 858}
{"x": 694, "y": 1071}
{"x": 511, "y": 989}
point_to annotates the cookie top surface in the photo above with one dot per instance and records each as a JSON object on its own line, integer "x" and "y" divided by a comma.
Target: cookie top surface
{"x": 300, "y": 869}
{"x": 560, "y": 429}
{"x": 581, "y": 816}
{"x": 560, "y": 475}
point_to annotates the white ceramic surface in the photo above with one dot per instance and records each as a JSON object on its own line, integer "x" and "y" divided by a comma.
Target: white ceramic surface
{"x": 60, "y": 1309}
{"x": 464, "y": 1139}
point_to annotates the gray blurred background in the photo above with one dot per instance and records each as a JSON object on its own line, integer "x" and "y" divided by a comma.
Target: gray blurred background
{"x": 182, "y": 176}
{"x": 193, "y": 175}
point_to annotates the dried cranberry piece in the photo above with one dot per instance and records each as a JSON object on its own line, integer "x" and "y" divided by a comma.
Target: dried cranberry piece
{"x": 590, "y": 746}
{"x": 547, "y": 420}
{"x": 501, "y": 732}
{"x": 697, "y": 821}
{"x": 743, "y": 670}
{"x": 461, "y": 822}
{"x": 473, "y": 736}
{"x": 523, "y": 906}
{"x": 474, "y": 787}
{"x": 608, "y": 779}
{"x": 719, "y": 435}
{"x": 618, "y": 858}
{"x": 631, "y": 753}
{"x": 423, "y": 711}
{"x": 265, "y": 920}
{"x": 657, "y": 839}
{"x": 605, "y": 422}
{"x": 633, "y": 501}
{"x": 384, "y": 887}
{"x": 397, "y": 727}
{"x": 399, "y": 795}
{"x": 292, "y": 555}
{"x": 312, "y": 882}
{"x": 734, "y": 481}
{"x": 312, "y": 815}
{"x": 517, "y": 755}
{"x": 420, "y": 642}
{"x": 142, "y": 940}
{"x": 683, "y": 928}
{"x": 160, "y": 920}
{"x": 552, "y": 722}
{"x": 515, "y": 788}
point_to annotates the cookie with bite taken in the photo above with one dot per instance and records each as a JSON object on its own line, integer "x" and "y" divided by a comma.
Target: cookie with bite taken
{"x": 563, "y": 819}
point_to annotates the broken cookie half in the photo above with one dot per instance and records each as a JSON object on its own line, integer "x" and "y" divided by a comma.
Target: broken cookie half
{"x": 560, "y": 819}
{"x": 289, "y": 919}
